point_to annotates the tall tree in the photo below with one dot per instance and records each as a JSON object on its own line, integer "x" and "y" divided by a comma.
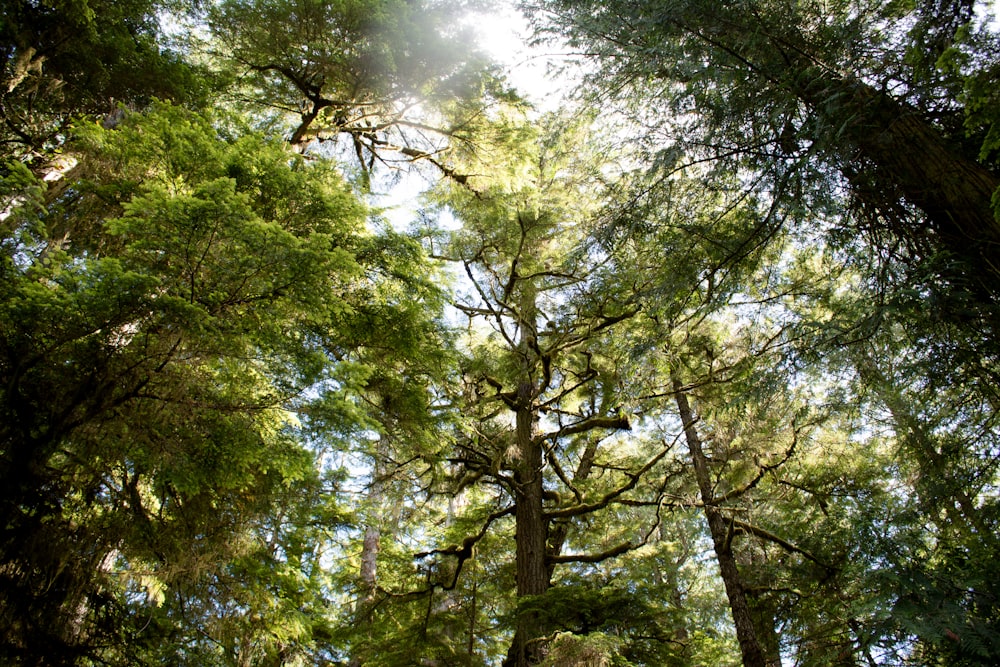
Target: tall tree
{"x": 544, "y": 384}
{"x": 165, "y": 320}
{"x": 190, "y": 312}
{"x": 809, "y": 91}
{"x": 393, "y": 77}
{"x": 750, "y": 647}
{"x": 936, "y": 418}
{"x": 62, "y": 60}
{"x": 838, "y": 116}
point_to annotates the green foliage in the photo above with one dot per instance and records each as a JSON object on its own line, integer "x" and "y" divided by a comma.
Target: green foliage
{"x": 395, "y": 80}
{"x": 166, "y": 321}
{"x": 238, "y": 427}
{"x": 582, "y": 611}
{"x": 598, "y": 626}
{"x": 67, "y": 59}
{"x": 795, "y": 99}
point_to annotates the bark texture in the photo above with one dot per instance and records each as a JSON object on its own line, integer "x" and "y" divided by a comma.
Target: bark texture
{"x": 531, "y": 527}
{"x": 907, "y": 152}
{"x": 531, "y": 524}
{"x": 750, "y": 649}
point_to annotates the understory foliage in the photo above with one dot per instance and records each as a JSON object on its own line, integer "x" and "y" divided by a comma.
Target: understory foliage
{"x": 700, "y": 369}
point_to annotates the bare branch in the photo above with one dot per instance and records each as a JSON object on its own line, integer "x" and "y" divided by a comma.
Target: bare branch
{"x": 587, "y": 508}
{"x": 595, "y": 558}
{"x": 464, "y": 552}
{"x": 618, "y": 422}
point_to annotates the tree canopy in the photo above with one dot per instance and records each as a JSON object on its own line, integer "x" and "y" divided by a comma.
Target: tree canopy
{"x": 696, "y": 367}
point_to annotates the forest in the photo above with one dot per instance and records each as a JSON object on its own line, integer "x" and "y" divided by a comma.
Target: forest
{"x": 323, "y": 343}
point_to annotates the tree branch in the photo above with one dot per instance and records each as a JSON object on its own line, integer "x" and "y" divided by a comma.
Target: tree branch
{"x": 587, "y": 508}
{"x": 618, "y": 422}
{"x": 784, "y": 544}
{"x": 595, "y": 558}
{"x": 464, "y": 552}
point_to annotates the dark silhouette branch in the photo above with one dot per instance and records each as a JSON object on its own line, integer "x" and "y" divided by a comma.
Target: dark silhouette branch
{"x": 466, "y": 550}
{"x": 784, "y": 544}
{"x": 595, "y": 558}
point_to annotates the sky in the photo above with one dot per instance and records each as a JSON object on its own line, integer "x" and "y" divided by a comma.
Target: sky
{"x": 504, "y": 33}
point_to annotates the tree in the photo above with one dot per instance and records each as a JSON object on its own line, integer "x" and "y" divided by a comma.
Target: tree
{"x": 543, "y": 384}
{"x": 818, "y": 98}
{"x": 194, "y": 320}
{"x": 245, "y": 421}
{"x": 172, "y": 324}
{"x": 68, "y": 59}
{"x": 836, "y": 117}
{"x": 750, "y": 646}
{"x": 718, "y": 278}
{"x": 936, "y": 419}
{"x": 393, "y": 77}
{"x": 742, "y": 442}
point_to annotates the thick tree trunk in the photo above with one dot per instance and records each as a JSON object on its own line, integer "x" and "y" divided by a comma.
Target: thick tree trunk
{"x": 865, "y": 125}
{"x": 531, "y": 525}
{"x": 763, "y": 609}
{"x": 369, "y": 567}
{"x": 750, "y": 648}
{"x": 908, "y": 152}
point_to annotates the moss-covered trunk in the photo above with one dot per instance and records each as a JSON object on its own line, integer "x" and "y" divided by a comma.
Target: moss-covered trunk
{"x": 906, "y": 152}
{"x": 531, "y": 525}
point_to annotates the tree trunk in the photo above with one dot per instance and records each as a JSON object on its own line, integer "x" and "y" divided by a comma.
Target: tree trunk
{"x": 932, "y": 464}
{"x": 750, "y": 648}
{"x": 908, "y": 152}
{"x": 370, "y": 545}
{"x": 369, "y": 567}
{"x": 910, "y": 155}
{"x": 532, "y": 573}
{"x": 763, "y": 609}
{"x": 678, "y": 634}
{"x": 531, "y": 524}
